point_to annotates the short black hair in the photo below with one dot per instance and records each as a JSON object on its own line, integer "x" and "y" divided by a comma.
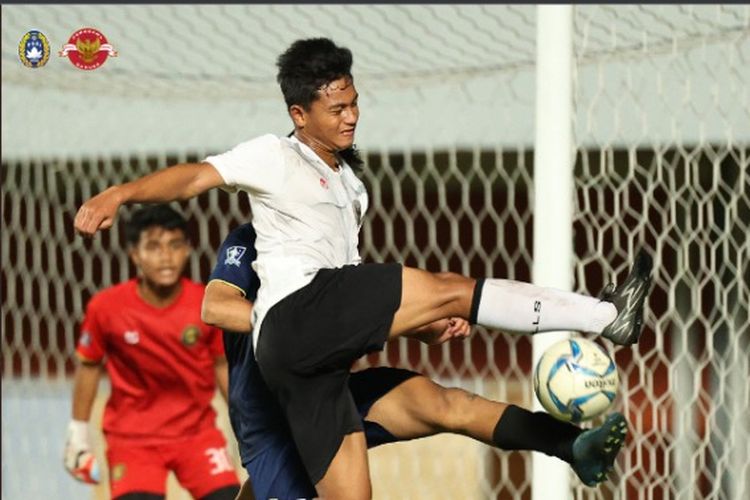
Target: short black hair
{"x": 309, "y": 64}
{"x": 162, "y": 216}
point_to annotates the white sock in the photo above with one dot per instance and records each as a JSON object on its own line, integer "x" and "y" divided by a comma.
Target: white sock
{"x": 522, "y": 307}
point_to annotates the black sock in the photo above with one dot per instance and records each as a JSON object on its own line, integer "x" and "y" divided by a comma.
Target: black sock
{"x": 520, "y": 429}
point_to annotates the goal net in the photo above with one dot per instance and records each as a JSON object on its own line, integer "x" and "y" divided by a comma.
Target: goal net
{"x": 662, "y": 156}
{"x": 662, "y": 130}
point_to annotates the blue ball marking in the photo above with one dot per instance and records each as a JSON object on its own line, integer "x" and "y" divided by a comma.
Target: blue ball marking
{"x": 570, "y": 361}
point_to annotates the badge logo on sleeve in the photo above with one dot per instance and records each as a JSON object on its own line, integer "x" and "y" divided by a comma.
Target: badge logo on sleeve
{"x": 234, "y": 254}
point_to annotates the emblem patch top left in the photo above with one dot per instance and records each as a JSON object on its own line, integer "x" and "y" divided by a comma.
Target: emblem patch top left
{"x": 87, "y": 49}
{"x": 33, "y": 49}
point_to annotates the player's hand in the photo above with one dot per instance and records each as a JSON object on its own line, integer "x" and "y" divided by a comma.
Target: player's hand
{"x": 446, "y": 329}
{"x": 455, "y": 328}
{"x": 78, "y": 459}
{"x": 99, "y": 212}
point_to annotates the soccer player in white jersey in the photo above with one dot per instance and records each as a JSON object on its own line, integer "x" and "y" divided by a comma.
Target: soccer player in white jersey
{"x": 319, "y": 308}
{"x": 394, "y": 404}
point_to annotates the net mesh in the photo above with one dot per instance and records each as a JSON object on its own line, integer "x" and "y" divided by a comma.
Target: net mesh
{"x": 662, "y": 131}
{"x": 663, "y": 128}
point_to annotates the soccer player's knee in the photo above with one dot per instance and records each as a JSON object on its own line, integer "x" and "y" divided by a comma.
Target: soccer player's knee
{"x": 453, "y": 408}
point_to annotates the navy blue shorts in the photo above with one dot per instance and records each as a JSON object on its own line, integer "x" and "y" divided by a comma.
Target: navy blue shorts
{"x": 278, "y": 472}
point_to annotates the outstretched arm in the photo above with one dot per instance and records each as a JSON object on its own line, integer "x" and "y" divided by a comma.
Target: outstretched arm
{"x": 179, "y": 182}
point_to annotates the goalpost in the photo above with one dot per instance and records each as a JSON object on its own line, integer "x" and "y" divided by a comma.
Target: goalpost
{"x": 458, "y": 106}
{"x": 553, "y": 198}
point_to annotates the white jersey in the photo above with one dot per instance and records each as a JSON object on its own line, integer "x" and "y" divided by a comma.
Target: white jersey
{"x": 307, "y": 216}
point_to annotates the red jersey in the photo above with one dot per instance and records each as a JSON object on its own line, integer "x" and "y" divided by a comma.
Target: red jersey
{"x": 160, "y": 361}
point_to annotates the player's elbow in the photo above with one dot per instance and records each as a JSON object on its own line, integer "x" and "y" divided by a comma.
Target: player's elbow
{"x": 209, "y": 310}
{"x": 201, "y": 177}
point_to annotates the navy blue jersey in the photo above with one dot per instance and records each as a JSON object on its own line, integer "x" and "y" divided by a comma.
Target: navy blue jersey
{"x": 255, "y": 417}
{"x": 266, "y": 446}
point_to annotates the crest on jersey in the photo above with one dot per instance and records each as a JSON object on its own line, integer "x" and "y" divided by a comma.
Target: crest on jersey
{"x": 234, "y": 254}
{"x": 87, "y": 49}
{"x": 190, "y": 335}
{"x": 117, "y": 472}
{"x": 33, "y": 49}
{"x": 131, "y": 337}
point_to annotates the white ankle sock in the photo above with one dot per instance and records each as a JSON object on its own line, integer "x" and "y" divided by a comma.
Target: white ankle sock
{"x": 523, "y": 307}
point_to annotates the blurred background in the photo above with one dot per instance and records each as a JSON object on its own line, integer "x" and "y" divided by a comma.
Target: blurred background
{"x": 661, "y": 159}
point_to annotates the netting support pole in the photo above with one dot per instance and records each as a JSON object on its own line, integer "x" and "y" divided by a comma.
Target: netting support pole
{"x": 553, "y": 197}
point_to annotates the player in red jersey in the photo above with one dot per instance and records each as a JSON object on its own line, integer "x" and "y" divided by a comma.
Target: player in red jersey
{"x": 164, "y": 365}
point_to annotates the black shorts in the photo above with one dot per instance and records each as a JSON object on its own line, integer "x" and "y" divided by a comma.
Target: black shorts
{"x": 277, "y": 471}
{"x": 307, "y": 344}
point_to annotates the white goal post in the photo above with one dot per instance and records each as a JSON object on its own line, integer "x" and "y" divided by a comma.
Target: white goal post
{"x": 553, "y": 198}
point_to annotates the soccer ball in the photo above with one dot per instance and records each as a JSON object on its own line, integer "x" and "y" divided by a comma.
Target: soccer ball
{"x": 576, "y": 380}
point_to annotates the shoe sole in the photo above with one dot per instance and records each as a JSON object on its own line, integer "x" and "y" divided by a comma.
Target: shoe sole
{"x": 604, "y": 445}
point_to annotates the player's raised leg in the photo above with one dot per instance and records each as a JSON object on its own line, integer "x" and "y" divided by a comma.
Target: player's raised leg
{"x": 420, "y": 407}
{"x": 522, "y": 307}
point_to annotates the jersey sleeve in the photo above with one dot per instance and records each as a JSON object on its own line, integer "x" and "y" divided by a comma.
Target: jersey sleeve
{"x": 234, "y": 262}
{"x": 90, "y": 347}
{"x": 256, "y": 165}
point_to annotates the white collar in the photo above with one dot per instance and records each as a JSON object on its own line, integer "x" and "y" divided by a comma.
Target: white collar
{"x": 311, "y": 155}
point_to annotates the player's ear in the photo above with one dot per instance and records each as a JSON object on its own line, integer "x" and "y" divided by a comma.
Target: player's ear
{"x": 133, "y": 254}
{"x": 298, "y": 115}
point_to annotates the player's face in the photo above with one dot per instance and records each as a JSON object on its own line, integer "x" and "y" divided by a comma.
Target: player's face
{"x": 161, "y": 255}
{"x": 332, "y": 117}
